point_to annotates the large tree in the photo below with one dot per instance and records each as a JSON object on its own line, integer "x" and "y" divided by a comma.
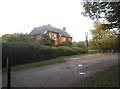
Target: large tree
{"x": 109, "y": 11}
{"x": 102, "y": 39}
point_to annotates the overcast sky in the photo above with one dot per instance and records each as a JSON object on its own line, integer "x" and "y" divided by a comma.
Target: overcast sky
{"x": 21, "y": 16}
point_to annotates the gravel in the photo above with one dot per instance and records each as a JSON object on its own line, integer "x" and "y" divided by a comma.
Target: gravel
{"x": 63, "y": 74}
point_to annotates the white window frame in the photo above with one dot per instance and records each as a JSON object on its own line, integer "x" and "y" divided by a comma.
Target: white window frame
{"x": 55, "y": 36}
{"x": 50, "y": 35}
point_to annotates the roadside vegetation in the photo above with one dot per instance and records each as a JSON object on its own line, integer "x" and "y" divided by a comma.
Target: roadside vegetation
{"x": 107, "y": 78}
{"x": 23, "y": 49}
{"x": 20, "y": 53}
{"x": 46, "y": 62}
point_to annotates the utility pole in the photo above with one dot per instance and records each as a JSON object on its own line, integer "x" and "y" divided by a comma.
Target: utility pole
{"x": 8, "y": 73}
{"x": 86, "y": 41}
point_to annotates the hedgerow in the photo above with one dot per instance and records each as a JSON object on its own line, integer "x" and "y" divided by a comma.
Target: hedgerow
{"x": 21, "y": 53}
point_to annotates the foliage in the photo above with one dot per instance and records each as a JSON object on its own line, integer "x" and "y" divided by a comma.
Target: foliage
{"x": 5, "y": 37}
{"x": 20, "y": 38}
{"x": 81, "y": 44}
{"x": 46, "y": 40}
{"x": 99, "y": 33}
{"x": 108, "y": 11}
{"x": 26, "y": 38}
{"x": 74, "y": 44}
{"x": 0, "y": 39}
{"x": 21, "y": 53}
{"x": 65, "y": 43}
{"x": 102, "y": 39}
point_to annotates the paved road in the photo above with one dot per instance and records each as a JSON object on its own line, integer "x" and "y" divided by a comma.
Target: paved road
{"x": 64, "y": 74}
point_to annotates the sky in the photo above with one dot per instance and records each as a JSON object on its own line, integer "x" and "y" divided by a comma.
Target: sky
{"x": 22, "y": 16}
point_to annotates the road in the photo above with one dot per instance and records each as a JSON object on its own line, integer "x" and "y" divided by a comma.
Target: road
{"x": 64, "y": 74}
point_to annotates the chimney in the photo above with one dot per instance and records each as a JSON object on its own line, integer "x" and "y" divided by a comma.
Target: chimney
{"x": 64, "y": 29}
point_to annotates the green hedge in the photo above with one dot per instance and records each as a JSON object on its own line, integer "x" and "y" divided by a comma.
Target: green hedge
{"x": 21, "y": 53}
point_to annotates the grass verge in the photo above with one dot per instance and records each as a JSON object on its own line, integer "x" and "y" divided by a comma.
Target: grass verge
{"x": 108, "y": 78}
{"x": 39, "y": 63}
{"x": 45, "y": 62}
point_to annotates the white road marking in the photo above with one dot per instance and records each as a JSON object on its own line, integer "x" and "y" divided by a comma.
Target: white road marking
{"x": 80, "y": 65}
{"x": 82, "y": 73}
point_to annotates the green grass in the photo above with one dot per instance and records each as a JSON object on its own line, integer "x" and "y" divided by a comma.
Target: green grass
{"x": 108, "y": 78}
{"x": 45, "y": 62}
{"x": 39, "y": 63}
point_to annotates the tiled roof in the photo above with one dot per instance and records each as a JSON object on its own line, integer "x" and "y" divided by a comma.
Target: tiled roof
{"x": 43, "y": 29}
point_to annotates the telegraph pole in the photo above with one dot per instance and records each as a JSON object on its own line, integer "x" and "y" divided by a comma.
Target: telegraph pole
{"x": 86, "y": 41}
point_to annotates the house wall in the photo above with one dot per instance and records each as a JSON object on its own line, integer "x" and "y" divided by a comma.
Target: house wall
{"x": 38, "y": 37}
{"x": 56, "y": 37}
{"x": 63, "y": 39}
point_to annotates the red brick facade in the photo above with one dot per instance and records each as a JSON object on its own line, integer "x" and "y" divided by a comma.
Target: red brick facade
{"x": 56, "y": 37}
{"x": 38, "y": 37}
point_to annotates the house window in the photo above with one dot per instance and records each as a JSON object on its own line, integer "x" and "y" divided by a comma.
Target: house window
{"x": 55, "y": 36}
{"x": 64, "y": 39}
{"x": 50, "y": 35}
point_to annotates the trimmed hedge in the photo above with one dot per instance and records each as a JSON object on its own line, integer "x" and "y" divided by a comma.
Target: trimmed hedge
{"x": 21, "y": 53}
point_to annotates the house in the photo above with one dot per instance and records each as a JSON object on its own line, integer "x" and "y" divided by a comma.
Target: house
{"x": 58, "y": 35}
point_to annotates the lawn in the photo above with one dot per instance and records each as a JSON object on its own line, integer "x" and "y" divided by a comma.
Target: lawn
{"x": 107, "y": 78}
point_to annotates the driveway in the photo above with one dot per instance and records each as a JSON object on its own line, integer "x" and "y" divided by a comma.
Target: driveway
{"x": 64, "y": 74}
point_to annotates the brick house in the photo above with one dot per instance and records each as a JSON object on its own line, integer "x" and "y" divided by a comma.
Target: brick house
{"x": 58, "y": 35}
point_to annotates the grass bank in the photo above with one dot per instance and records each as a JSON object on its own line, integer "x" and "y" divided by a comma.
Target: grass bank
{"x": 45, "y": 62}
{"x": 108, "y": 78}
{"x": 39, "y": 63}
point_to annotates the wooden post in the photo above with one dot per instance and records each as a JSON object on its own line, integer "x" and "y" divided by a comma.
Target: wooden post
{"x": 65, "y": 59}
{"x": 8, "y": 73}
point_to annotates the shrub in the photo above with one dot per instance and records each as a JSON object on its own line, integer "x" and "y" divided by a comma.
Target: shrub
{"x": 65, "y": 44}
{"x": 46, "y": 40}
{"x": 21, "y": 53}
{"x": 20, "y": 38}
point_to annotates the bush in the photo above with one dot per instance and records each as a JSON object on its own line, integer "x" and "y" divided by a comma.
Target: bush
{"x": 20, "y": 38}
{"x": 65, "y": 44}
{"x": 46, "y": 40}
{"x": 21, "y": 53}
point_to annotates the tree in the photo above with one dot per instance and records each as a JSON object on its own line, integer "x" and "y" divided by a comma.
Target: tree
{"x": 5, "y": 37}
{"x": 108, "y": 11}
{"x": 99, "y": 33}
{"x": 74, "y": 44}
{"x": 102, "y": 39}
{"x": 81, "y": 44}
{"x": 20, "y": 38}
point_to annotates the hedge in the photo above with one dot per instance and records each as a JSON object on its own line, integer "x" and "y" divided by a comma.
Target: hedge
{"x": 21, "y": 53}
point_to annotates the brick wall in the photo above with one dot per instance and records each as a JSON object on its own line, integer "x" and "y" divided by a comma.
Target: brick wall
{"x": 38, "y": 37}
{"x": 56, "y": 37}
{"x": 63, "y": 39}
